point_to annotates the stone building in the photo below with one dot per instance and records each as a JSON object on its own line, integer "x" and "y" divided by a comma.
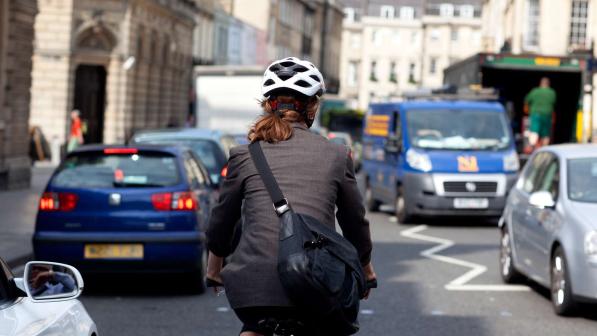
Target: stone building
{"x": 16, "y": 49}
{"x": 393, "y": 46}
{"x": 203, "y": 35}
{"x": 309, "y": 29}
{"x": 126, "y": 65}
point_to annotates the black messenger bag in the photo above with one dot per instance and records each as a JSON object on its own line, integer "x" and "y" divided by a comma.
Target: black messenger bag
{"x": 319, "y": 269}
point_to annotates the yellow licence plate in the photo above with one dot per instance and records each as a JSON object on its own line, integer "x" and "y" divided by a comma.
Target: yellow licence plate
{"x": 114, "y": 251}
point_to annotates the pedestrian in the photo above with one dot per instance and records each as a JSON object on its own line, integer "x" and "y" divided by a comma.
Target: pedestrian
{"x": 540, "y": 104}
{"x": 315, "y": 176}
{"x": 75, "y": 137}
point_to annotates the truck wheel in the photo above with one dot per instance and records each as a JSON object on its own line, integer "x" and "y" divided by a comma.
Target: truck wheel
{"x": 371, "y": 203}
{"x": 561, "y": 289}
{"x": 507, "y": 270}
{"x": 404, "y": 217}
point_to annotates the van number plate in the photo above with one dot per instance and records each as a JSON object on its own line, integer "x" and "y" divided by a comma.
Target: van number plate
{"x": 471, "y": 203}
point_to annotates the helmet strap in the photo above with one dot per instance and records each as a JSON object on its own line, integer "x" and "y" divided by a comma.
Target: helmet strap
{"x": 295, "y": 106}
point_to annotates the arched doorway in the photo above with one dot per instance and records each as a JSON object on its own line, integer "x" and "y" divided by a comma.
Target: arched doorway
{"x": 90, "y": 98}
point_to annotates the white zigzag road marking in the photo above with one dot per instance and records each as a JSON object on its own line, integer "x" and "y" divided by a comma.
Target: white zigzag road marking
{"x": 460, "y": 283}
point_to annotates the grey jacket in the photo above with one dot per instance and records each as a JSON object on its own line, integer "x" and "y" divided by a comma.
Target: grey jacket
{"x": 315, "y": 176}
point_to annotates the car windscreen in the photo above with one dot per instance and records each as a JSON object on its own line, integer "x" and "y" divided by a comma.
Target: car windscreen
{"x": 99, "y": 170}
{"x": 458, "y": 129}
{"x": 582, "y": 180}
{"x": 209, "y": 152}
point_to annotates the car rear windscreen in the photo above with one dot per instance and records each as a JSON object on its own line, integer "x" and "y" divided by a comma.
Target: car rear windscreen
{"x": 209, "y": 152}
{"x": 99, "y": 170}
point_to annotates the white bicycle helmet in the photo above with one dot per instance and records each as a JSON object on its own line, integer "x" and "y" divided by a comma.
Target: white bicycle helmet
{"x": 293, "y": 74}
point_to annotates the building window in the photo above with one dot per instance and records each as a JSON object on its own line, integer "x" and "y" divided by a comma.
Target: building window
{"x": 377, "y": 37}
{"x": 397, "y": 36}
{"x": 387, "y": 12}
{"x": 578, "y": 23}
{"x": 446, "y": 10}
{"x": 350, "y": 14}
{"x": 434, "y": 34}
{"x": 532, "y": 29}
{"x": 355, "y": 41}
{"x": 373, "y": 73}
{"x": 393, "y": 77}
{"x": 353, "y": 73}
{"x": 407, "y": 13}
{"x": 414, "y": 36}
{"x": 411, "y": 73}
{"x": 454, "y": 34}
{"x": 432, "y": 65}
{"x": 467, "y": 11}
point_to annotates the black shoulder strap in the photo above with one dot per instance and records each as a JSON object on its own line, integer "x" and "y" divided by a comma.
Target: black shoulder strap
{"x": 280, "y": 203}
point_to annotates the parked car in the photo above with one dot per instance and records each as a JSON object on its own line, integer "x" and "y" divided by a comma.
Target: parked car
{"x": 211, "y": 146}
{"x": 127, "y": 209}
{"x": 343, "y": 138}
{"x": 428, "y": 158}
{"x": 549, "y": 225}
{"x": 43, "y": 302}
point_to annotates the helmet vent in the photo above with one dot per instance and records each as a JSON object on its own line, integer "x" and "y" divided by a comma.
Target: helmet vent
{"x": 269, "y": 82}
{"x": 300, "y": 68}
{"x": 302, "y": 83}
{"x": 315, "y": 78}
{"x": 287, "y": 64}
{"x": 284, "y": 76}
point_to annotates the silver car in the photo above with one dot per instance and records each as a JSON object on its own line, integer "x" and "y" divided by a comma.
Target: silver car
{"x": 549, "y": 225}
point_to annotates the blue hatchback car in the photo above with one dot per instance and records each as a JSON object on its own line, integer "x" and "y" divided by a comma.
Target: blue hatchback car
{"x": 127, "y": 209}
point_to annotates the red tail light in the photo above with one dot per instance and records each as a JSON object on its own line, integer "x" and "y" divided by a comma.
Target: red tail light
{"x": 224, "y": 171}
{"x": 178, "y": 201}
{"x": 58, "y": 201}
{"x": 162, "y": 201}
{"x": 121, "y": 151}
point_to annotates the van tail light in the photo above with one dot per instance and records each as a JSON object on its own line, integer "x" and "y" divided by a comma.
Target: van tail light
{"x": 58, "y": 201}
{"x": 178, "y": 201}
{"x": 224, "y": 171}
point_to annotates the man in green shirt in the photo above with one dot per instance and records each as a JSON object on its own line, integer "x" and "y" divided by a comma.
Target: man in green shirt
{"x": 540, "y": 102}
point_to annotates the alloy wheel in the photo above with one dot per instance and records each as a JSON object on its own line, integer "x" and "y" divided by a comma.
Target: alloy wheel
{"x": 558, "y": 280}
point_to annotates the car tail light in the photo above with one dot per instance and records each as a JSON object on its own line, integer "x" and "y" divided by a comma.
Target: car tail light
{"x": 58, "y": 201}
{"x": 162, "y": 201}
{"x": 121, "y": 151}
{"x": 178, "y": 201}
{"x": 224, "y": 171}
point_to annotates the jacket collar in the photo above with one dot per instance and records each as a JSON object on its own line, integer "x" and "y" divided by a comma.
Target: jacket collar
{"x": 299, "y": 125}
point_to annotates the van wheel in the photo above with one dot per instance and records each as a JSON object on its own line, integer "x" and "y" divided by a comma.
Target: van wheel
{"x": 507, "y": 270}
{"x": 371, "y": 203}
{"x": 401, "y": 211}
{"x": 561, "y": 289}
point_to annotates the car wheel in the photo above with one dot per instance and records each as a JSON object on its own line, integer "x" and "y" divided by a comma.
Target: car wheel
{"x": 371, "y": 203}
{"x": 508, "y": 272}
{"x": 196, "y": 279}
{"x": 561, "y": 289}
{"x": 401, "y": 210}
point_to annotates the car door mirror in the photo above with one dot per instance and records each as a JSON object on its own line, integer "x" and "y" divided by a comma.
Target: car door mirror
{"x": 48, "y": 281}
{"x": 393, "y": 144}
{"x": 542, "y": 200}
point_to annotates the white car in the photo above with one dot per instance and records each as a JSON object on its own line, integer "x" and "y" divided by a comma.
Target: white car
{"x": 43, "y": 302}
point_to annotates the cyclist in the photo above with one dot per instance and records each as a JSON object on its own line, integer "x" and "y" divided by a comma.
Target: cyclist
{"x": 316, "y": 175}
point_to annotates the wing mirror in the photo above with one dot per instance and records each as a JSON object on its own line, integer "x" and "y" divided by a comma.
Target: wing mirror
{"x": 542, "y": 200}
{"x": 50, "y": 282}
